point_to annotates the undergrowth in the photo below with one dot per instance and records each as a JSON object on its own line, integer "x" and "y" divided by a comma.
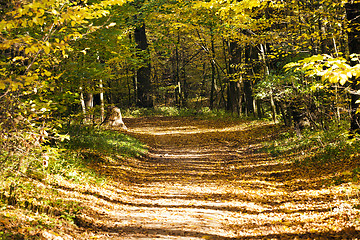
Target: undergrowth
{"x": 105, "y": 141}
{"x": 164, "y": 111}
{"x": 331, "y": 148}
{"x": 30, "y": 181}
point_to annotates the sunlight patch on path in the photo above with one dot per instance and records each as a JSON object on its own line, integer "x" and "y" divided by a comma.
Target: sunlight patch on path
{"x": 190, "y": 130}
{"x": 205, "y": 180}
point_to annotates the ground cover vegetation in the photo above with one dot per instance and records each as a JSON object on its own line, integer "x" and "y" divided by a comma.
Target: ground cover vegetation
{"x": 62, "y": 63}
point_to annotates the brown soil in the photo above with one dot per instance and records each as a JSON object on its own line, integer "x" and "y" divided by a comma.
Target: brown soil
{"x": 207, "y": 179}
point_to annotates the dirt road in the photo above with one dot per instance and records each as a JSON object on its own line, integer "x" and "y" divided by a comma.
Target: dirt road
{"x": 206, "y": 179}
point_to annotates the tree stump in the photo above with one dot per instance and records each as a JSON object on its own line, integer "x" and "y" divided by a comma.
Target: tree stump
{"x": 113, "y": 118}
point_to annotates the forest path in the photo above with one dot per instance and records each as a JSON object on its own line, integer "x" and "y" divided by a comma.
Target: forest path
{"x": 206, "y": 179}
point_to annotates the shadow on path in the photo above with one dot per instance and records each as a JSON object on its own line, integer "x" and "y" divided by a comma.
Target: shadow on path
{"x": 207, "y": 179}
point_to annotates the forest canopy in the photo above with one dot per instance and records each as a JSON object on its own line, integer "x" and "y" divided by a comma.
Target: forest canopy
{"x": 295, "y": 62}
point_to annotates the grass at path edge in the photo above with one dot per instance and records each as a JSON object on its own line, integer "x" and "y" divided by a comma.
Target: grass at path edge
{"x": 30, "y": 204}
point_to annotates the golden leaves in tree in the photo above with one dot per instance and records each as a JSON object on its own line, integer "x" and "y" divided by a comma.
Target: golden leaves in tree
{"x": 334, "y": 70}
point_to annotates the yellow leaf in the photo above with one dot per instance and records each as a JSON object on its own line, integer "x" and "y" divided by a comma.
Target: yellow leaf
{"x": 47, "y": 49}
{"x": 18, "y": 58}
{"x": 41, "y": 12}
{"x": 343, "y": 79}
{"x": 333, "y": 78}
{"x": 47, "y": 73}
{"x": 2, "y": 85}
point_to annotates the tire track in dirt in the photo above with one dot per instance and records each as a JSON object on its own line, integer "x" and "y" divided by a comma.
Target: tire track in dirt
{"x": 206, "y": 179}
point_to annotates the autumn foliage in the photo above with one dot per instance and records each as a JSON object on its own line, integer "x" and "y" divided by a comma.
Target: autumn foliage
{"x": 280, "y": 78}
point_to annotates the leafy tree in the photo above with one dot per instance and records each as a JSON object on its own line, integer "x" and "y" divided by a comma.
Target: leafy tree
{"x": 36, "y": 39}
{"x": 353, "y": 16}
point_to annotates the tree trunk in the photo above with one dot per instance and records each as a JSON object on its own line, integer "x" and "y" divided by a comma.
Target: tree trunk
{"x": 177, "y": 74}
{"x": 102, "y": 103}
{"x": 89, "y": 104}
{"x": 212, "y": 90}
{"x": 353, "y": 16}
{"x": 184, "y": 86}
{"x": 248, "y": 97}
{"x": 259, "y": 108}
{"x": 82, "y": 101}
{"x": 273, "y": 107}
{"x": 285, "y": 116}
{"x": 234, "y": 99}
{"x": 135, "y": 85}
{"x": 129, "y": 88}
{"x": 143, "y": 78}
{"x": 250, "y": 55}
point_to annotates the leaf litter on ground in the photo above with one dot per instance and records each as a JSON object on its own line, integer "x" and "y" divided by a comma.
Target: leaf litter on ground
{"x": 209, "y": 179}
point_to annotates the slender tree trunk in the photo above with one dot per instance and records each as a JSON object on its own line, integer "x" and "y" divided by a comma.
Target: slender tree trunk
{"x": 221, "y": 98}
{"x": 82, "y": 101}
{"x": 338, "y": 115}
{"x": 133, "y": 78}
{"x": 335, "y": 47}
{"x": 89, "y": 104}
{"x": 353, "y": 16}
{"x": 212, "y": 90}
{"x": 255, "y": 107}
{"x": 143, "y": 76}
{"x": 239, "y": 99}
{"x": 177, "y": 74}
{"x": 135, "y": 85}
{"x": 203, "y": 82}
{"x": 184, "y": 93}
{"x": 273, "y": 107}
{"x": 184, "y": 87}
{"x": 227, "y": 67}
{"x": 213, "y": 72}
{"x": 129, "y": 87}
{"x": 102, "y": 103}
{"x": 178, "y": 87}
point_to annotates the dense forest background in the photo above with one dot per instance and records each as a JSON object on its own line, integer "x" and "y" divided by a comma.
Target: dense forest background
{"x": 293, "y": 61}
{"x": 63, "y": 62}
